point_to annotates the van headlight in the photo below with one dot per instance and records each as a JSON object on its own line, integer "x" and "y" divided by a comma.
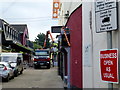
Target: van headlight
{"x": 48, "y": 62}
{"x": 36, "y": 57}
{"x": 35, "y": 62}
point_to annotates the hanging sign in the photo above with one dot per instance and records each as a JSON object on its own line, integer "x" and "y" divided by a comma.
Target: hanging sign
{"x": 56, "y": 7}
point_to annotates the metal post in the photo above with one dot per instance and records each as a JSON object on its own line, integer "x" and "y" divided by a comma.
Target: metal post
{"x": 1, "y": 45}
{"x": 1, "y": 35}
{"x": 68, "y": 80}
{"x": 68, "y": 67}
{"x": 0, "y": 40}
{"x": 109, "y": 46}
{"x": 109, "y": 39}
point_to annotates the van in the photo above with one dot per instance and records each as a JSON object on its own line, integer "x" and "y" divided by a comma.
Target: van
{"x": 15, "y": 60}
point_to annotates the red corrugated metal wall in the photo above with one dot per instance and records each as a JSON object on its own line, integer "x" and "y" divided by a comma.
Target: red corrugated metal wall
{"x": 75, "y": 25}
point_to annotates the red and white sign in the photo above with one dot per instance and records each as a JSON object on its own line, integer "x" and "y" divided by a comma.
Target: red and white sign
{"x": 109, "y": 65}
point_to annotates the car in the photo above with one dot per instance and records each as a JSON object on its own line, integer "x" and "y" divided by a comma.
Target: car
{"x": 6, "y": 71}
{"x": 15, "y": 60}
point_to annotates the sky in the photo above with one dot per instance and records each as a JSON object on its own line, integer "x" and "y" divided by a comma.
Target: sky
{"x": 37, "y": 14}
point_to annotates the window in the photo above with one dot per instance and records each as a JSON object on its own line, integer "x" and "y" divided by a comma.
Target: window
{"x": 8, "y": 58}
{"x": 45, "y": 53}
{"x": 1, "y": 65}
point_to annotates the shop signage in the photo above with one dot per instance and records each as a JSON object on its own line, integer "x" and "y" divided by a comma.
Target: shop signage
{"x": 56, "y": 7}
{"x": 56, "y": 29}
{"x": 109, "y": 65}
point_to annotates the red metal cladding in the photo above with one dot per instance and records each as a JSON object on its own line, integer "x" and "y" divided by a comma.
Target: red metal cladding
{"x": 75, "y": 25}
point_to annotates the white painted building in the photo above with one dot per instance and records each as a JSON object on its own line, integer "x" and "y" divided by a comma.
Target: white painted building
{"x": 92, "y": 42}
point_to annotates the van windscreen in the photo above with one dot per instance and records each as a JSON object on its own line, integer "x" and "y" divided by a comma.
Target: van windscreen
{"x": 44, "y": 53}
{"x": 8, "y": 58}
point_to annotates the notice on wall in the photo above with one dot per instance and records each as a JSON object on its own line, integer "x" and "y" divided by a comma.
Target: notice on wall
{"x": 106, "y": 15}
{"x": 109, "y": 65}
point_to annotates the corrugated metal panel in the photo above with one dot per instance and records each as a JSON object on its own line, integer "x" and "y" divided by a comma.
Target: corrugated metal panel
{"x": 75, "y": 25}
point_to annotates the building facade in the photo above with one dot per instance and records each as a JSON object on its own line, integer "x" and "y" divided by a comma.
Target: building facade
{"x": 84, "y": 62}
{"x": 15, "y": 38}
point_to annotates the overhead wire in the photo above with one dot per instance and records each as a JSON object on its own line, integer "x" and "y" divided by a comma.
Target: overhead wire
{"x": 29, "y": 20}
{"x": 31, "y": 17}
{"x": 25, "y": 19}
{"x": 12, "y": 4}
{"x": 36, "y": 19}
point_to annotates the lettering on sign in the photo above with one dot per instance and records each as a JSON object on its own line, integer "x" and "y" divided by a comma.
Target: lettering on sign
{"x": 106, "y": 15}
{"x": 109, "y": 65}
{"x": 108, "y": 62}
{"x": 108, "y": 75}
{"x": 108, "y": 69}
{"x": 110, "y": 55}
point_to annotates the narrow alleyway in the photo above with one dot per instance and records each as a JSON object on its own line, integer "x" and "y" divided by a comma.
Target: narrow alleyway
{"x": 36, "y": 78}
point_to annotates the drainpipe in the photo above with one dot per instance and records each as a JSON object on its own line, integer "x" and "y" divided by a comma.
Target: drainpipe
{"x": 1, "y": 35}
{"x": 68, "y": 67}
{"x": 0, "y": 46}
{"x": 0, "y": 40}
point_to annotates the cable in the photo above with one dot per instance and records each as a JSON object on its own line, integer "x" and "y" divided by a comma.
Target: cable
{"x": 31, "y": 18}
{"x": 34, "y": 20}
{"x": 9, "y": 7}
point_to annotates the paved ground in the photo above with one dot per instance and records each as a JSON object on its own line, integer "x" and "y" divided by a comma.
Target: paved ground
{"x": 36, "y": 78}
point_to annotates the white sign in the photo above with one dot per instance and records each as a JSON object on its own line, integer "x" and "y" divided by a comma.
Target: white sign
{"x": 106, "y": 15}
